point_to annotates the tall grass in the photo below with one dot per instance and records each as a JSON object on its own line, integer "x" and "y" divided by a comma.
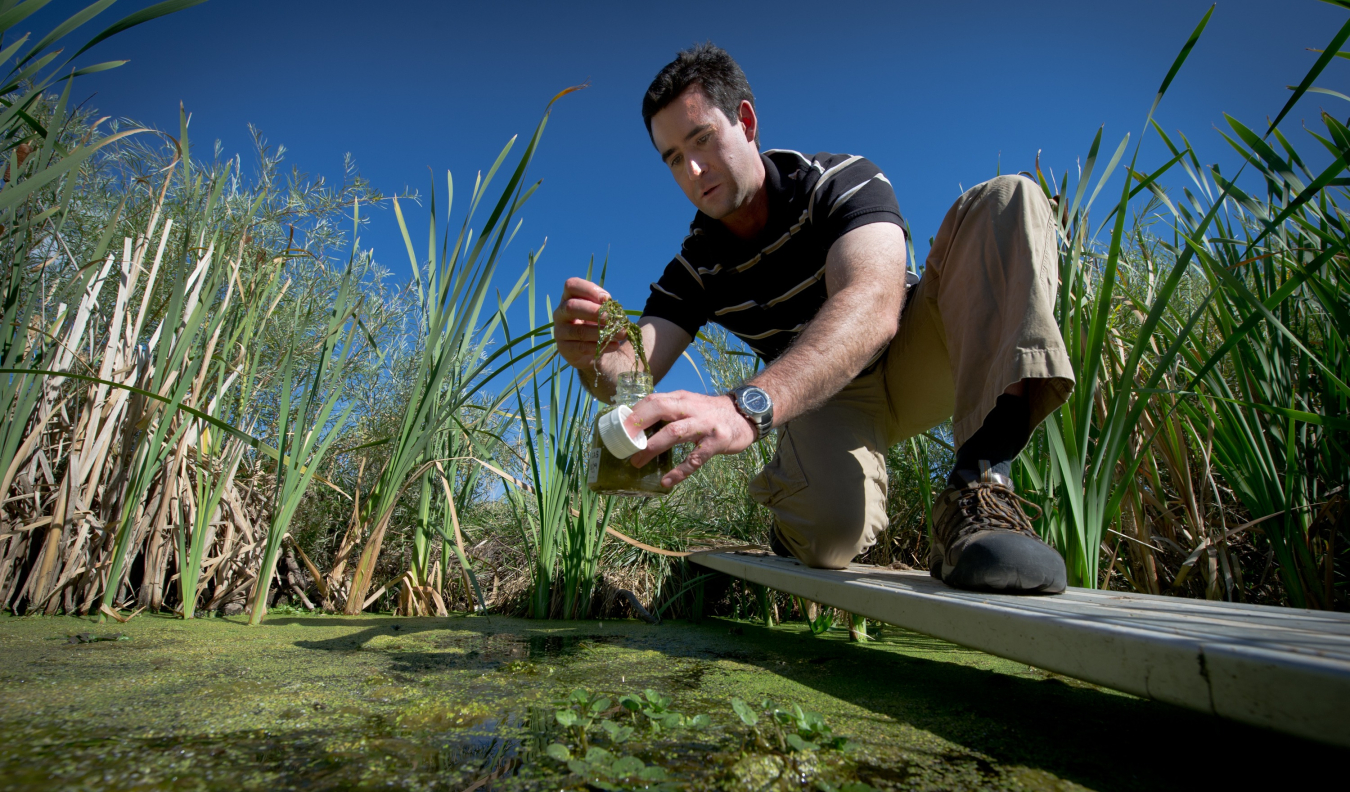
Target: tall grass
{"x": 558, "y": 515}
{"x": 192, "y": 378}
{"x": 308, "y": 428}
{"x": 1141, "y": 358}
{"x": 455, "y": 361}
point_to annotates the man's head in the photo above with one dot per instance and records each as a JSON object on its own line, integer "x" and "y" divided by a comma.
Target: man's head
{"x": 707, "y": 66}
{"x": 700, "y": 114}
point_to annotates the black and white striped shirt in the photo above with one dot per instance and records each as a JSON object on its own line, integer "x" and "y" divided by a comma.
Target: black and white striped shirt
{"x": 767, "y": 289}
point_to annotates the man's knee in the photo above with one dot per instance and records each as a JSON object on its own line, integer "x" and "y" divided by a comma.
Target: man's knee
{"x": 826, "y": 538}
{"x": 827, "y": 524}
{"x": 1017, "y": 194}
{"x": 826, "y": 485}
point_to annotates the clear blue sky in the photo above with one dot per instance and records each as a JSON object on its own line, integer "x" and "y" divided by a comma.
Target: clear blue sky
{"x": 935, "y": 93}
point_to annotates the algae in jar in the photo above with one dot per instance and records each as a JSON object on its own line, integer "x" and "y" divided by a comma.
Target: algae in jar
{"x": 606, "y": 473}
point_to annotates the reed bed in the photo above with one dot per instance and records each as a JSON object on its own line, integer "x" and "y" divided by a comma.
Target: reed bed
{"x": 215, "y": 398}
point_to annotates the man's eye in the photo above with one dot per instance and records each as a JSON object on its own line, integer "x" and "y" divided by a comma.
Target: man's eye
{"x": 703, "y": 140}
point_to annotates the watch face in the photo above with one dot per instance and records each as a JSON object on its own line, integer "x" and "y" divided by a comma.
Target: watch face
{"x": 756, "y": 401}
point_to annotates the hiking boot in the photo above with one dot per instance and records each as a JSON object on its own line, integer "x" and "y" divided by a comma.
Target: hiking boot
{"x": 777, "y": 546}
{"x": 983, "y": 541}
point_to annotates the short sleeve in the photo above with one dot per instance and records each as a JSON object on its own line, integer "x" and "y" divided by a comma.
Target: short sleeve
{"x": 852, "y": 192}
{"x": 678, "y": 296}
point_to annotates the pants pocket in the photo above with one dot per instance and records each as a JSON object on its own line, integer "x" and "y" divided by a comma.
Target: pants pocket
{"x": 783, "y": 477}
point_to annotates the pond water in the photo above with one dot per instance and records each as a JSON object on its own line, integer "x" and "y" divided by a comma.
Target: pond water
{"x": 478, "y": 703}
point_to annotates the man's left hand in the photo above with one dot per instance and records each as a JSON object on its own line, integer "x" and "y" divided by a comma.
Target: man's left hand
{"x": 711, "y": 423}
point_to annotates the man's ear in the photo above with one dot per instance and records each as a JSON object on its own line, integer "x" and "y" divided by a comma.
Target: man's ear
{"x": 749, "y": 121}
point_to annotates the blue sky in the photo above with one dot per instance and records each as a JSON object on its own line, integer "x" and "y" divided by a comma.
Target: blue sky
{"x": 936, "y": 93}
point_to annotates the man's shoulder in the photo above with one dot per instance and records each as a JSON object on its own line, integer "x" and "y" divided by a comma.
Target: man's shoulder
{"x": 823, "y": 171}
{"x": 791, "y": 161}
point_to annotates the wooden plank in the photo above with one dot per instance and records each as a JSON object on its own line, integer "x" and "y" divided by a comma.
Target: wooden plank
{"x": 1280, "y": 668}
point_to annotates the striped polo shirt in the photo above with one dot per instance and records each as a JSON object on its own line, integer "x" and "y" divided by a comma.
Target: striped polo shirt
{"x": 765, "y": 290}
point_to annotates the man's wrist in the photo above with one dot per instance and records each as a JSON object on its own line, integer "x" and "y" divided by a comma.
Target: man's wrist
{"x": 754, "y": 430}
{"x": 756, "y": 406}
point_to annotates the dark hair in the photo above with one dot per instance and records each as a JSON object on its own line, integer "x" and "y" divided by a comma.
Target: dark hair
{"x": 710, "y": 68}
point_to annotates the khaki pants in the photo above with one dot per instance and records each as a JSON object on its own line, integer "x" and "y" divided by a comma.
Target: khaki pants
{"x": 981, "y": 319}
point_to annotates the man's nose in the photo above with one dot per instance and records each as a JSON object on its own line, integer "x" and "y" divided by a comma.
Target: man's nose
{"x": 695, "y": 168}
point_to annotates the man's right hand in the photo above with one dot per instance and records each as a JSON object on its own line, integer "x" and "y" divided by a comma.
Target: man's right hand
{"x": 576, "y": 323}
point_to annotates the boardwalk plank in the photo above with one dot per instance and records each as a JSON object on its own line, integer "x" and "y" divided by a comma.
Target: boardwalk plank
{"x": 1280, "y": 668}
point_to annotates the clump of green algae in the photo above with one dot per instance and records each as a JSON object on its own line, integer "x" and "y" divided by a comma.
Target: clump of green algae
{"x": 616, "y": 323}
{"x": 342, "y": 702}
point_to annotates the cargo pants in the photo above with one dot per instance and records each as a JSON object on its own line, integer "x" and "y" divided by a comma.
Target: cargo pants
{"x": 980, "y": 319}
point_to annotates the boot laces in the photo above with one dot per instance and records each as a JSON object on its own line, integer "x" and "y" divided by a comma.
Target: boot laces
{"x": 984, "y": 506}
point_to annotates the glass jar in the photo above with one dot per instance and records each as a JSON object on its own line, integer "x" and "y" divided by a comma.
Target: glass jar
{"x": 609, "y": 475}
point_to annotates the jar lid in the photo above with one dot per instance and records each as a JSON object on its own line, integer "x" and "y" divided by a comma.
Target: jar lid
{"x": 615, "y": 435}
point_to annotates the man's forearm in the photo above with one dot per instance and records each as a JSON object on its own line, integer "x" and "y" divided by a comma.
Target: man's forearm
{"x": 830, "y": 352}
{"x": 865, "y": 275}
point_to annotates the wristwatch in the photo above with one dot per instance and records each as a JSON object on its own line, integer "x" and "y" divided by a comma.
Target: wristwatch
{"x": 756, "y": 406}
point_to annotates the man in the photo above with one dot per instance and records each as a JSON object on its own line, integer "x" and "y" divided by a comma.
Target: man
{"x": 804, "y": 259}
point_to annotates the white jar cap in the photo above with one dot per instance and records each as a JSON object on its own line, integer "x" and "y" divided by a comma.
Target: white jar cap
{"x": 615, "y": 435}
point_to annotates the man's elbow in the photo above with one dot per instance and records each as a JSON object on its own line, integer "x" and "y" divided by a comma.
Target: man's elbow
{"x": 885, "y": 316}
{"x": 886, "y": 328}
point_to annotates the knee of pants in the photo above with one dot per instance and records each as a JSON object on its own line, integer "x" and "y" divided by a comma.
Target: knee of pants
{"x": 1015, "y": 192}
{"x": 827, "y": 523}
{"x": 825, "y": 535}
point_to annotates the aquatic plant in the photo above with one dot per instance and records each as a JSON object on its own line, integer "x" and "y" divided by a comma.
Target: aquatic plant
{"x": 308, "y": 429}
{"x": 614, "y": 325}
{"x": 773, "y": 728}
{"x": 1140, "y": 357}
{"x": 559, "y": 519}
{"x": 649, "y": 716}
{"x": 604, "y": 770}
{"x": 455, "y": 363}
{"x": 1204, "y": 452}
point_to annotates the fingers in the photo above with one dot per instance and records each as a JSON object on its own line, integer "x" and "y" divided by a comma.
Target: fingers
{"x": 666, "y": 438}
{"x": 578, "y": 333}
{"x": 711, "y": 423}
{"x": 585, "y": 290}
{"x": 580, "y": 302}
{"x": 575, "y": 321}
{"x": 668, "y": 407}
{"x": 576, "y": 310}
{"x": 577, "y": 342}
{"x": 696, "y": 459}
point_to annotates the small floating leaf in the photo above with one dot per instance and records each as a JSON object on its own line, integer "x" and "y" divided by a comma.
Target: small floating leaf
{"x": 616, "y": 732}
{"x": 627, "y": 766}
{"x": 799, "y": 744}
{"x": 559, "y": 751}
{"x": 596, "y": 755}
{"x": 748, "y": 716}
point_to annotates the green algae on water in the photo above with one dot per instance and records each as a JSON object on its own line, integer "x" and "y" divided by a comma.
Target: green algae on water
{"x": 380, "y": 702}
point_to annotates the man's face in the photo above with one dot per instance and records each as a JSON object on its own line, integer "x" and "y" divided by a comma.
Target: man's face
{"x": 714, "y": 159}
